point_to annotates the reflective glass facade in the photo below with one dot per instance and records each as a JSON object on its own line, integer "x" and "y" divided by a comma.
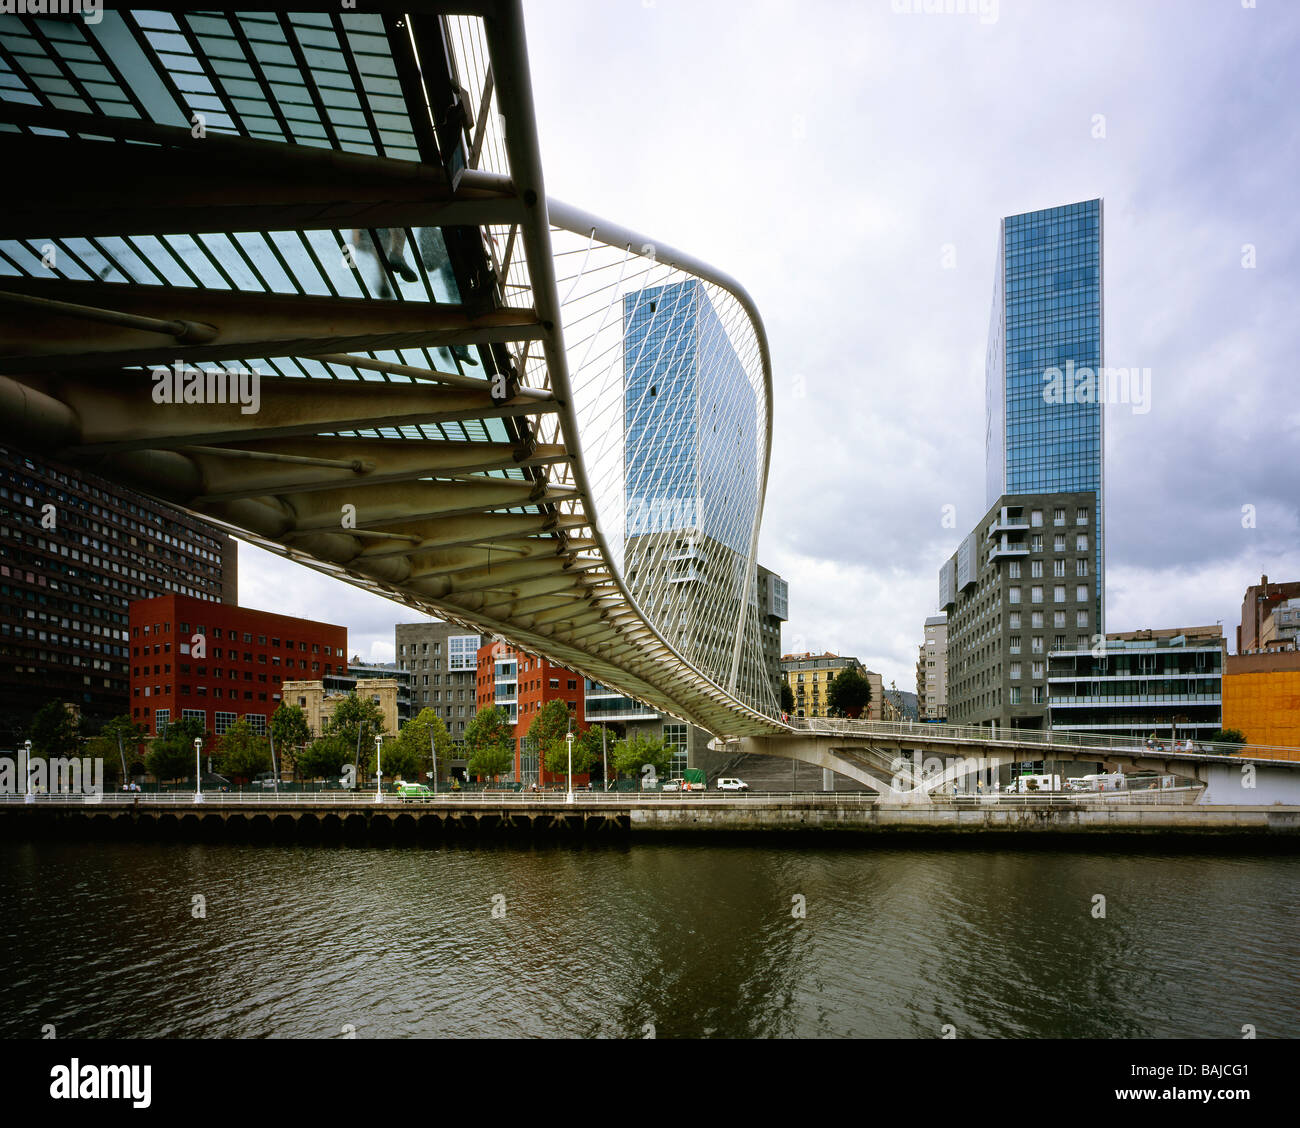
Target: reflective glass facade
{"x": 1047, "y": 316}
{"x": 692, "y": 443}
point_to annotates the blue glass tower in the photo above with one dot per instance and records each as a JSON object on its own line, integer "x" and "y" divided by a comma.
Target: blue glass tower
{"x": 1041, "y": 437}
{"x": 690, "y": 420}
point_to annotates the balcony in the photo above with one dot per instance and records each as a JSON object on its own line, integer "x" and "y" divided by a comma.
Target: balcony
{"x": 1008, "y": 548}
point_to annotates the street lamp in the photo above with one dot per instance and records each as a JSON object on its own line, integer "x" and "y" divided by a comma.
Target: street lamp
{"x": 379, "y": 769}
{"x": 198, "y": 769}
{"x": 568, "y": 738}
{"x": 28, "y": 797}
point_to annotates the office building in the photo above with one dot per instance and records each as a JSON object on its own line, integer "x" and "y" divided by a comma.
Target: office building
{"x": 809, "y": 677}
{"x": 218, "y": 663}
{"x": 691, "y": 474}
{"x": 442, "y": 661}
{"x": 1281, "y": 629}
{"x": 521, "y": 684}
{"x": 1256, "y": 606}
{"x": 75, "y": 550}
{"x": 932, "y": 671}
{"x": 1017, "y": 589}
{"x": 1261, "y": 698}
{"x": 1045, "y": 379}
{"x": 1167, "y": 682}
{"x": 1045, "y": 391}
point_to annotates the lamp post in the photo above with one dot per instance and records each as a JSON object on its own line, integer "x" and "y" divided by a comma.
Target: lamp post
{"x": 198, "y": 769}
{"x": 568, "y": 739}
{"x": 379, "y": 769}
{"x": 604, "y": 759}
{"x": 28, "y": 797}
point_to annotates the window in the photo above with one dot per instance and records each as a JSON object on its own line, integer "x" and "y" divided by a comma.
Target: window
{"x": 1036, "y": 570}
{"x": 1082, "y": 620}
{"x": 1036, "y": 543}
{"x": 1036, "y": 518}
{"x": 1058, "y": 593}
{"x": 1081, "y": 515}
{"x": 1082, "y": 642}
{"x": 1014, "y": 646}
{"x": 221, "y": 722}
{"x": 1038, "y": 695}
{"x": 1013, "y": 595}
{"x": 555, "y": 683}
{"x": 1081, "y": 566}
{"x": 1058, "y": 567}
{"x": 1015, "y": 670}
{"x": 462, "y": 652}
{"x": 1081, "y": 543}
{"x": 1058, "y": 543}
{"x": 1058, "y": 516}
{"x": 1058, "y": 618}
{"x": 1015, "y": 695}
{"x": 1013, "y": 570}
{"x": 1081, "y": 593}
{"x": 1037, "y": 619}
{"x": 161, "y": 719}
{"x": 1036, "y": 594}
{"x": 1058, "y": 643}
{"x": 1038, "y": 669}
{"x": 1013, "y": 620}
{"x": 1038, "y": 644}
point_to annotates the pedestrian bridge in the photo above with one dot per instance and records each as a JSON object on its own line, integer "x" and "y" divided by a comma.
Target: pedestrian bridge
{"x": 909, "y": 762}
{"x": 299, "y": 274}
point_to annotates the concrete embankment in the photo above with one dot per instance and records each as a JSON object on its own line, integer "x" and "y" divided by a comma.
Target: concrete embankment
{"x": 816, "y": 817}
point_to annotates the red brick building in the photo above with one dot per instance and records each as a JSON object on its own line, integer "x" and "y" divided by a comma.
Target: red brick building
{"x": 521, "y": 683}
{"x": 221, "y": 663}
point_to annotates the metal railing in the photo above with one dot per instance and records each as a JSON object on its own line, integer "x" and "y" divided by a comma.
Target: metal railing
{"x": 1050, "y": 739}
{"x": 614, "y": 799}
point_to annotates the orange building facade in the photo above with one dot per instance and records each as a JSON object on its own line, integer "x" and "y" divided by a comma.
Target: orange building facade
{"x": 521, "y": 683}
{"x": 1261, "y": 698}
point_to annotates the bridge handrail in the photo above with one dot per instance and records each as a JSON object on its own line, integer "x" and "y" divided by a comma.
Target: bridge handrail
{"x": 1031, "y": 738}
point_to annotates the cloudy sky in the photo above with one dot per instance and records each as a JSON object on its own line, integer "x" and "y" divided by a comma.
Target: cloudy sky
{"x": 848, "y": 163}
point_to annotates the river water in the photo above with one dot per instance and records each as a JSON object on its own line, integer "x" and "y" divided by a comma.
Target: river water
{"x": 629, "y": 940}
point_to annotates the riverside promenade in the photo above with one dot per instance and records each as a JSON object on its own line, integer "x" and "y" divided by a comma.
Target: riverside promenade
{"x": 331, "y": 816}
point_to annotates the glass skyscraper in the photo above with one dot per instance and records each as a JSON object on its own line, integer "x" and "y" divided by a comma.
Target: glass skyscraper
{"x": 692, "y": 472}
{"x": 690, "y": 420}
{"x": 1042, "y": 437}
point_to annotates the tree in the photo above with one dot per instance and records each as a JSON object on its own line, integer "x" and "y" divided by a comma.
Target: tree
{"x": 1228, "y": 736}
{"x": 352, "y": 717}
{"x": 547, "y": 733}
{"x": 412, "y": 752}
{"x": 593, "y": 746}
{"x": 104, "y": 746}
{"x": 242, "y": 752}
{"x": 325, "y": 756}
{"x": 290, "y": 733}
{"x": 632, "y": 754}
{"x": 171, "y": 756}
{"x": 490, "y": 742}
{"x": 849, "y": 693}
{"x": 787, "y": 698}
{"x": 54, "y": 731}
{"x": 584, "y": 755}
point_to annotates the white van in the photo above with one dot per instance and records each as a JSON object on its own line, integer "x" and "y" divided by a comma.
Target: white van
{"x": 732, "y": 785}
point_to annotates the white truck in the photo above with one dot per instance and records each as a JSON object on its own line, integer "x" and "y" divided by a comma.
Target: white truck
{"x": 1030, "y": 784}
{"x": 1102, "y": 781}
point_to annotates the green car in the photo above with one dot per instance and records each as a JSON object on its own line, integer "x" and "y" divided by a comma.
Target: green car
{"x": 413, "y": 791}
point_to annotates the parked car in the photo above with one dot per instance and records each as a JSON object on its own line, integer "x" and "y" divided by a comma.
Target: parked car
{"x": 672, "y": 784}
{"x": 413, "y": 791}
{"x": 732, "y": 785}
{"x": 265, "y": 779}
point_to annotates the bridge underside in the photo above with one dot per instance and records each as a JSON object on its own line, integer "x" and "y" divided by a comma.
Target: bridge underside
{"x": 385, "y": 270}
